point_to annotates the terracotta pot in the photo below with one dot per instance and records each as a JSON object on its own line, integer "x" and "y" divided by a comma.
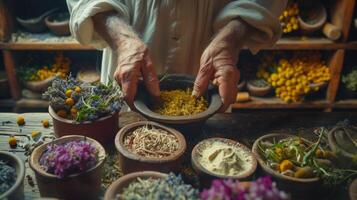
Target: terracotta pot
{"x": 84, "y": 185}
{"x": 353, "y": 190}
{"x": 131, "y": 162}
{"x": 17, "y": 190}
{"x": 299, "y": 188}
{"x": 103, "y": 130}
{"x": 206, "y": 176}
{"x": 39, "y": 86}
{"x": 124, "y": 181}
{"x": 58, "y": 28}
{"x": 143, "y": 104}
{"x": 258, "y": 91}
{"x": 318, "y": 20}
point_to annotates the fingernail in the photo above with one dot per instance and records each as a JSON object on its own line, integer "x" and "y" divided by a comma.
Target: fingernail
{"x": 194, "y": 93}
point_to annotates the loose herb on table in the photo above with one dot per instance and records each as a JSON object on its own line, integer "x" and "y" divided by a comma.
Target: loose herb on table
{"x": 7, "y": 176}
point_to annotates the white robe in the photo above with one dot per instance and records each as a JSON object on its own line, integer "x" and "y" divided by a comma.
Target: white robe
{"x": 176, "y": 31}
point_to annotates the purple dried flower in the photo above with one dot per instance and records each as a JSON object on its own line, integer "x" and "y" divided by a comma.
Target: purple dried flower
{"x": 263, "y": 189}
{"x": 69, "y": 158}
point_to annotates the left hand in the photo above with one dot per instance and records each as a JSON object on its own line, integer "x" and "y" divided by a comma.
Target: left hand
{"x": 218, "y": 63}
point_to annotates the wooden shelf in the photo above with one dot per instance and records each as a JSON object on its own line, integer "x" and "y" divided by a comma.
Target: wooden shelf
{"x": 297, "y": 43}
{"x": 72, "y": 45}
{"x": 273, "y": 103}
{"x": 346, "y": 104}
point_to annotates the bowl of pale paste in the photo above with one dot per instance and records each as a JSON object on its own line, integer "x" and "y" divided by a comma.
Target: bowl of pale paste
{"x": 222, "y": 158}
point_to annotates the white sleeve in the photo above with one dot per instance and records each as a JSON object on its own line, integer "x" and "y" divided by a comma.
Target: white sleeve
{"x": 262, "y": 15}
{"x": 81, "y": 24}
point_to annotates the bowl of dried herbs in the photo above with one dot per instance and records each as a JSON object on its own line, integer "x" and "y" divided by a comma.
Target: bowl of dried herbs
{"x": 149, "y": 146}
{"x": 176, "y": 105}
{"x": 69, "y": 167}
{"x": 85, "y": 109}
{"x": 12, "y": 173}
{"x": 151, "y": 185}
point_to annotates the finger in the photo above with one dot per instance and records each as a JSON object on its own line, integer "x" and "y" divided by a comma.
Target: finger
{"x": 150, "y": 77}
{"x": 204, "y": 75}
{"x": 227, "y": 86}
{"x": 129, "y": 77}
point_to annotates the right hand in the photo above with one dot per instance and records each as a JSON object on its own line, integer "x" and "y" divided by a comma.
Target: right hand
{"x": 135, "y": 63}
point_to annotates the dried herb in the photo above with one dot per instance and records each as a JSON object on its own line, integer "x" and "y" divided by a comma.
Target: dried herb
{"x": 350, "y": 80}
{"x": 180, "y": 103}
{"x": 69, "y": 158}
{"x": 151, "y": 142}
{"x": 171, "y": 188}
{"x": 7, "y": 176}
{"x": 111, "y": 170}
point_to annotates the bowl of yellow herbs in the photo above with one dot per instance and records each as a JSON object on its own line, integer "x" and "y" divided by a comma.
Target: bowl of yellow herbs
{"x": 176, "y": 104}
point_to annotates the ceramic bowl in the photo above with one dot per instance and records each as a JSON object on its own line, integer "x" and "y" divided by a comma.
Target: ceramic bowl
{"x": 88, "y": 76}
{"x": 298, "y": 187}
{"x": 36, "y": 24}
{"x": 124, "y": 181}
{"x": 207, "y": 176}
{"x": 143, "y": 104}
{"x": 258, "y": 91}
{"x": 39, "y": 86}
{"x": 85, "y": 185}
{"x": 58, "y": 23}
{"x": 17, "y": 190}
{"x": 317, "y": 18}
{"x": 131, "y": 162}
{"x": 103, "y": 130}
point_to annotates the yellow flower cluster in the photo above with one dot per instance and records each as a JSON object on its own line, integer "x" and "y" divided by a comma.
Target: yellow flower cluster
{"x": 288, "y": 19}
{"x": 59, "y": 68}
{"x": 180, "y": 103}
{"x": 294, "y": 78}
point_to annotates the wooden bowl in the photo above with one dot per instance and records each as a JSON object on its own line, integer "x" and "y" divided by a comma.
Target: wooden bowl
{"x": 131, "y": 162}
{"x": 298, "y": 187}
{"x": 124, "y": 181}
{"x": 143, "y": 104}
{"x": 16, "y": 191}
{"x": 85, "y": 185}
{"x": 258, "y": 91}
{"x": 39, "y": 86}
{"x": 60, "y": 28}
{"x": 103, "y": 130}
{"x": 353, "y": 190}
{"x": 317, "y": 21}
{"x": 207, "y": 176}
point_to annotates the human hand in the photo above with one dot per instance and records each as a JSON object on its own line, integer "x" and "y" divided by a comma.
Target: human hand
{"x": 134, "y": 64}
{"x": 218, "y": 63}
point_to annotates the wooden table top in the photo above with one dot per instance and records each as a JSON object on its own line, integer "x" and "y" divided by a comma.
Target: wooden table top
{"x": 244, "y": 127}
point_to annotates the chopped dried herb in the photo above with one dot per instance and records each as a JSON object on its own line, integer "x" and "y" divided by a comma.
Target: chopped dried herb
{"x": 7, "y": 176}
{"x": 151, "y": 142}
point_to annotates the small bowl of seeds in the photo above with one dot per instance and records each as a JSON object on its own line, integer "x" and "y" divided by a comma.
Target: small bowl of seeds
{"x": 149, "y": 146}
{"x": 176, "y": 105}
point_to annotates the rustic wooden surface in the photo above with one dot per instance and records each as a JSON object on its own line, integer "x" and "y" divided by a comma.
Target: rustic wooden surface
{"x": 243, "y": 127}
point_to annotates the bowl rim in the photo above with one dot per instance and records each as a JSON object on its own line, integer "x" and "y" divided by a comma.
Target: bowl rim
{"x": 272, "y": 172}
{"x": 130, "y": 177}
{"x": 54, "y": 115}
{"x": 39, "y": 150}
{"x": 20, "y": 172}
{"x": 119, "y": 145}
{"x": 251, "y": 86}
{"x": 213, "y": 107}
{"x": 198, "y": 165}
{"x": 51, "y": 23}
{"x": 320, "y": 23}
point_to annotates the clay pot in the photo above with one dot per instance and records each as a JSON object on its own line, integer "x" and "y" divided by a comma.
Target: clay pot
{"x": 36, "y": 24}
{"x": 39, "y": 86}
{"x": 353, "y": 190}
{"x": 299, "y": 188}
{"x": 131, "y": 162}
{"x": 258, "y": 91}
{"x": 17, "y": 190}
{"x": 60, "y": 28}
{"x": 85, "y": 185}
{"x": 124, "y": 181}
{"x": 103, "y": 130}
{"x": 318, "y": 19}
{"x": 206, "y": 176}
{"x": 143, "y": 104}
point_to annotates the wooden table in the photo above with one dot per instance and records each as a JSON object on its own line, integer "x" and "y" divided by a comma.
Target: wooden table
{"x": 244, "y": 127}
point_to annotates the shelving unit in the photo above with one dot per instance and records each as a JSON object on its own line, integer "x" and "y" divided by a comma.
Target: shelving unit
{"x": 341, "y": 15}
